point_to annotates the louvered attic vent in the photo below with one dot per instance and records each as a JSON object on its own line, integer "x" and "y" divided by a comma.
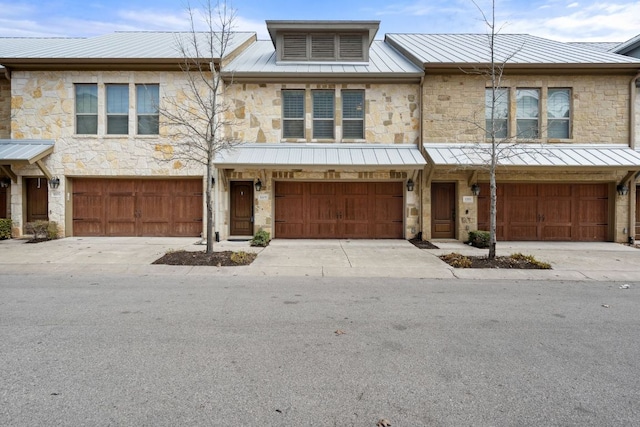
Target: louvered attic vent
{"x": 323, "y": 47}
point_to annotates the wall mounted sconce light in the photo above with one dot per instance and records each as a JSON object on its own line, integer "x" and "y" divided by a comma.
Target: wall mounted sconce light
{"x": 54, "y": 182}
{"x": 410, "y": 185}
{"x": 622, "y": 189}
{"x": 475, "y": 189}
{"x": 4, "y": 182}
{"x": 258, "y": 185}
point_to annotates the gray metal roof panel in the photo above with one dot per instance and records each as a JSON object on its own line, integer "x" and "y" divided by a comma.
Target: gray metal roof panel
{"x": 531, "y": 155}
{"x": 512, "y": 48}
{"x": 260, "y": 57}
{"x": 119, "y": 45}
{"x": 327, "y": 155}
{"x": 601, "y": 46}
{"x": 23, "y": 149}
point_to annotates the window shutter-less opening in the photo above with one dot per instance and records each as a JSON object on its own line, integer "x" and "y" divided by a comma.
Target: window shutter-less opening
{"x": 294, "y": 46}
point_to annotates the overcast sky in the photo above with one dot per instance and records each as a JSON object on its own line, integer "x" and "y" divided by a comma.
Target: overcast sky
{"x": 615, "y": 21}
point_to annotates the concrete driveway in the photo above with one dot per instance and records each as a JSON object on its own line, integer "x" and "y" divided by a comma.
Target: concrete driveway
{"x": 333, "y": 258}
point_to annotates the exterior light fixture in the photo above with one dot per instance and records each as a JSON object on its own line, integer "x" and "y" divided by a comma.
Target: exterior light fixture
{"x": 4, "y": 182}
{"x": 475, "y": 189}
{"x": 410, "y": 185}
{"x": 258, "y": 185}
{"x": 213, "y": 181}
{"x": 622, "y": 189}
{"x": 54, "y": 182}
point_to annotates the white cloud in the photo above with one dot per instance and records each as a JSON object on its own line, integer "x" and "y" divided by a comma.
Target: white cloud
{"x": 573, "y": 5}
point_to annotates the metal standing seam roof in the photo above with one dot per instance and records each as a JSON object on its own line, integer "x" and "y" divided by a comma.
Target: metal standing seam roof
{"x": 535, "y": 155}
{"x": 260, "y": 57}
{"x": 600, "y": 46}
{"x": 118, "y": 45}
{"x": 403, "y": 156}
{"x": 24, "y": 150}
{"x": 514, "y": 48}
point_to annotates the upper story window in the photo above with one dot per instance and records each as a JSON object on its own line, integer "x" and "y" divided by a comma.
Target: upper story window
{"x": 86, "y": 109}
{"x": 323, "y": 114}
{"x": 559, "y": 113}
{"x": 352, "y": 114}
{"x": 147, "y": 109}
{"x": 499, "y": 127}
{"x": 351, "y": 47}
{"x": 293, "y": 114}
{"x": 117, "y": 109}
{"x": 528, "y": 113}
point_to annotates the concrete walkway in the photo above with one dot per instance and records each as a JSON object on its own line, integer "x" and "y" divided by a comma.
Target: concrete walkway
{"x": 335, "y": 258}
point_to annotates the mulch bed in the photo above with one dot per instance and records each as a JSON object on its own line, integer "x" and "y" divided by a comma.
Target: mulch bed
{"x": 502, "y": 262}
{"x": 216, "y": 259}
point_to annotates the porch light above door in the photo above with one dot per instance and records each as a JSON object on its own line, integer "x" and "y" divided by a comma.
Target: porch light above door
{"x": 475, "y": 189}
{"x": 54, "y": 182}
{"x": 258, "y": 185}
{"x": 410, "y": 185}
{"x": 622, "y": 189}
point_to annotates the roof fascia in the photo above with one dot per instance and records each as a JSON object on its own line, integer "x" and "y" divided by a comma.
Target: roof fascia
{"x": 321, "y": 77}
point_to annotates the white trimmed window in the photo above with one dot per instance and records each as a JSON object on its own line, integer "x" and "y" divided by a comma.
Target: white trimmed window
{"x": 498, "y": 126}
{"x": 559, "y": 113}
{"x": 323, "y": 114}
{"x": 293, "y": 113}
{"x": 147, "y": 109}
{"x": 86, "y": 109}
{"x": 352, "y": 114}
{"x": 528, "y": 113}
{"x": 117, "y": 109}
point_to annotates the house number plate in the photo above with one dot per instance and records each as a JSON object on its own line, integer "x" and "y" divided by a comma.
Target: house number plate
{"x": 263, "y": 197}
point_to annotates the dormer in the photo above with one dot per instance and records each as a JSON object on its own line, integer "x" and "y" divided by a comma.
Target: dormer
{"x": 322, "y": 41}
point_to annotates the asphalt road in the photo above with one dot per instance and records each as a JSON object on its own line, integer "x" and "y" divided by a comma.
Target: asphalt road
{"x": 251, "y": 351}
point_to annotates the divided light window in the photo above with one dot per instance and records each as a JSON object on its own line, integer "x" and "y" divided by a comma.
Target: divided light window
{"x": 500, "y": 125}
{"x": 86, "y": 109}
{"x": 528, "y": 113}
{"x": 323, "y": 113}
{"x": 293, "y": 113}
{"x": 353, "y": 114}
{"x": 559, "y": 113}
{"x": 117, "y": 109}
{"x": 147, "y": 101}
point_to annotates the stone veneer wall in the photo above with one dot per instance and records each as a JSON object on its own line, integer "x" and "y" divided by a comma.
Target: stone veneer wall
{"x": 454, "y": 109}
{"x": 392, "y": 113}
{"x": 44, "y": 108}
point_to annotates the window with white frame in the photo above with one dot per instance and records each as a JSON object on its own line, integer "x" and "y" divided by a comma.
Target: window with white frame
{"x": 147, "y": 109}
{"x": 497, "y": 102}
{"x": 323, "y": 114}
{"x": 293, "y": 113}
{"x": 528, "y": 113}
{"x": 117, "y": 109}
{"x": 352, "y": 114}
{"x": 86, "y": 109}
{"x": 559, "y": 113}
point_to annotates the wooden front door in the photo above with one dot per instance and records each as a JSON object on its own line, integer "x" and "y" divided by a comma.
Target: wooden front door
{"x": 241, "y": 208}
{"x": 443, "y": 210}
{"x": 3, "y": 202}
{"x": 637, "y": 212}
{"x": 37, "y": 199}
{"x": 339, "y": 210}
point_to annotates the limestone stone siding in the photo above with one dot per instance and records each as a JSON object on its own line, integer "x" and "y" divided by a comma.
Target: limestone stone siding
{"x": 392, "y": 113}
{"x": 454, "y": 106}
{"x": 5, "y": 108}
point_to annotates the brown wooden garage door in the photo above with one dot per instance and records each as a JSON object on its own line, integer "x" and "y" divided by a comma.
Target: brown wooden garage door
{"x": 563, "y": 212}
{"x": 332, "y": 210}
{"x": 137, "y": 207}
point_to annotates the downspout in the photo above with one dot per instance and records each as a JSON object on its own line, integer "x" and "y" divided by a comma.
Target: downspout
{"x": 632, "y": 145}
{"x": 420, "y": 147}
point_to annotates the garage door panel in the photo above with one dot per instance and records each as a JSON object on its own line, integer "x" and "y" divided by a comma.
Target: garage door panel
{"x": 522, "y": 232}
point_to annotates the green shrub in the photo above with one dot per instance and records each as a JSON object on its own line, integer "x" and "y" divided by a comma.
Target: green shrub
{"x": 42, "y": 230}
{"x": 262, "y": 238}
{"x": 5, "y": 228}
{"x": 456, "y": 260}
{"x": 479, "y": 239}
{"x": 532, "y": 260}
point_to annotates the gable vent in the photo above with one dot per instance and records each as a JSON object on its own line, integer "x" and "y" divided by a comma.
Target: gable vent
{"x": 294, "y": 46}
{"x": 323, "y": 46}
{"x": 351, "y": 46}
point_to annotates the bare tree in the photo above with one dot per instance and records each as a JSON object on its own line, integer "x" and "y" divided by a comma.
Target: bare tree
{"x": 198, "y": 122}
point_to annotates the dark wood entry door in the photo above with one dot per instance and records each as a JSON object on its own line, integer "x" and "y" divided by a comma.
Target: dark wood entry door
{"x": 137, "y": 207}
{"x": 3, "y": 202}
{"x": 37, "y": 199}
{"x": 339, "y": 210}
{"x": 241, "y": 208}
{"x": 637, "y": 213}
{"x": 443, "y": 210}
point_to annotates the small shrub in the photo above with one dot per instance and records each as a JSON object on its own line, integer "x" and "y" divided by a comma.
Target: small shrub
{"x": 5, "y": 228}
{"x": 242, "y": 258}
{"x": 262, "y": 238}
{"x": 456, "y": 260}
{"x": 479, "y": 239}
{"x": 532, "y": 260}
{"x": 42, "y": 230}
